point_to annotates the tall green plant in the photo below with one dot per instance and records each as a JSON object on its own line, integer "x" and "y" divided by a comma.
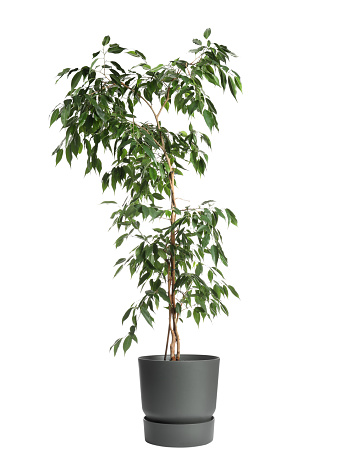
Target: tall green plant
{"x": 100, "y": 112}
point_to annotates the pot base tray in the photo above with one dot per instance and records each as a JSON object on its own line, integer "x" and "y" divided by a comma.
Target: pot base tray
{"x": 178, "y": 435}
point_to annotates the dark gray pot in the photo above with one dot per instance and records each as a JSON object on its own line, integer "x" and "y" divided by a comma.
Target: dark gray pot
{"x": 179, "y": 399}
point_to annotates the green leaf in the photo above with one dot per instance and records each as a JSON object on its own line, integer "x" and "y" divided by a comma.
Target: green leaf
{"x": 143, "y": 279}
{"x": 65, "y": 114}
{"x": 206, "y": 139}
{"x": 145, "y": 211}
{"x": 136, "y": 54}
{"x": 158, "y": 196}
{"x": 233, "y": 291}
{"x": 100, "y": 113}
{"x": 116, "y": 345}
{"x": 98, "y": 165}
{"x": 162, "y": 254}
{"x": 93, "y": 62}
{"x": 140, "y": 54}
{"x": 133, "y": 337}
{"x": 193, "y": 107}
{"x": 189, "y": 313}
{"x": 120, "y": 240}
{"x": 82, "y": 118}
{"x": 149, "y": 319}
{"x": 211, "y": 106}
{"x": 54, "y": 117}
{"x": 206, "y": 217}
{"x": 220, "y": 213}
{"x": 126, "y": 315}
{"x": 224, "y": 309}
{"x": 207, "y": 33}
{"x": 157, "y": 68}
{"x": 153, "y": 173}
{"x": 214, "y": 253}
{"x": 238, "y": 83}
{"x": 208, "y": 117}
{"x": 60, "y": 74}
{"x": 217, "y": 290}
{"x": 218, "y": 271}
{"x": 232, "y": 87}
{"x": 117, "y": 66}
{"x": 196, "y": 50}
{"x": 115, "y": 49}
{"x": 153, "y": 212}
{"x": 59, "y": 156}
{"x": 231, "y": 217}
{"x": 118, "y": 270}
{"x": 197, "y": 41}
{"x": 75, "y": 80}
{"x": 72, "y": 71}
{"x": 223, "y": 258}
{"x": 149, "y": 153}
{"x": 213, "y": 308}
{"x": 199, "y": 269}
{"x": 164, "y": 295}
{"x": 105, "y": 40}
{"x": 212, "y": 78}
{"x": 127, "y": 343}
{"x": 223, "y": 79}
{"x": 196, "y": 315}
{"x": 210, "y": 276}
{"x": 69, "y": 155}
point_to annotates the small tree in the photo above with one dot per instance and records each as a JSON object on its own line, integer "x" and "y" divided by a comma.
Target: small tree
{"x": 101, "y": 114}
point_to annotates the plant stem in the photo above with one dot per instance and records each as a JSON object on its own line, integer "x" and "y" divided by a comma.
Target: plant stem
{"x": 172, "y": 242}
{"x": 169, "y": 326}
{"x": 171, "y": 266}
{"x": 167, "y": 339}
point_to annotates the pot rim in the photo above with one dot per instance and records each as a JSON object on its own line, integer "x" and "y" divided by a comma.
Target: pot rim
{"x": 189, "y": 358}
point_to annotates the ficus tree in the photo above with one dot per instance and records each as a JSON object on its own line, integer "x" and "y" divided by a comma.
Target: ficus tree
{"x": 101, "y": 113}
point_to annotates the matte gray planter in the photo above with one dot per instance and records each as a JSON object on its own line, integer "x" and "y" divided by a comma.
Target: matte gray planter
{"x": 179, "y": 399}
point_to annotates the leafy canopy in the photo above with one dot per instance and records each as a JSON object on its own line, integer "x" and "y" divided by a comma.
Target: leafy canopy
{"x": 100, "y": 113}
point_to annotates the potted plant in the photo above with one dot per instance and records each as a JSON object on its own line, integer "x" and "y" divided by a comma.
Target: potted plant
{"x": 177, "y": 263}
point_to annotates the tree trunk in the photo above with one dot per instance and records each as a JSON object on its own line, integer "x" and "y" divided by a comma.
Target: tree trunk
{"x": 171, "y": 279}
{"x": 171, "y": 326}
{"x": 171, "y": 265}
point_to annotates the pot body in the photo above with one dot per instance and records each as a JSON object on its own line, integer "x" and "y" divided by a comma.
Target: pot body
{"x": 179, "y": 397}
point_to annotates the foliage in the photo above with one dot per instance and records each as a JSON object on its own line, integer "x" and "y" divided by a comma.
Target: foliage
{"x": 99, "y": 113}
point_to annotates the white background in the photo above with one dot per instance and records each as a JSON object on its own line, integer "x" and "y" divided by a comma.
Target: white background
{"x": 288, "y": 161}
